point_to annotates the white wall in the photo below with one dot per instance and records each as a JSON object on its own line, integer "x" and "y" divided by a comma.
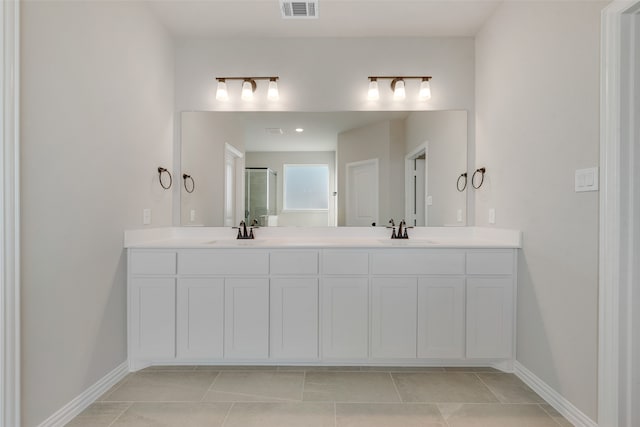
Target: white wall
{"x": 276, "y": 161}
{"x": 446, "y": 135}
{"x": 537, "y": 80}
{"x": 203, "y": 137}
{"x": 96, "y": 122}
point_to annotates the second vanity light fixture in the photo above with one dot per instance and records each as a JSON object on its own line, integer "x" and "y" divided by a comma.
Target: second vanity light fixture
{"x": 249, "y": 86}
{"x": 397, "y": 86}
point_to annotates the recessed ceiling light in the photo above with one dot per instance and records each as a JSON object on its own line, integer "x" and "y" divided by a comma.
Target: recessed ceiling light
{"x": 299, "y": 130}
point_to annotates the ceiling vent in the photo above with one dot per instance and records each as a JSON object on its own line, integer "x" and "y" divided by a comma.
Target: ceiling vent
{"x": 274, "y": 131}
{"x": 299, "y": 9}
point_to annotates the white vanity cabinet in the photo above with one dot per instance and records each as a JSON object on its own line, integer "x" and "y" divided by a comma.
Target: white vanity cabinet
{"x": 344, "y": 291}
{"x": 377, "y": 306}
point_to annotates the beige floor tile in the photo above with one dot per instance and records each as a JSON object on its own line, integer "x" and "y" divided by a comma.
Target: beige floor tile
{"x": 509, "y": 389}
{"x": 471, "y": 369}
{"x": 500, "y": 415}
{"x": 165, "y": 386}
{"x": 367, "y": 387}
{"x": 442, "y": 387}
{"x": 234, "y": 368}
{"x": 557, "y": 417}
{"x": 180, "y": 368}
{"x": 99, "y": 414}
{"x": 256, "y": 386}
{"x": 388, "y": 415}
{"x": 320, "y": 368}
{"x": 172, "y": 414}
{"x": 401, "y": 369}
{"x": 300, "y": 414}
{"x": 114, "y": 388}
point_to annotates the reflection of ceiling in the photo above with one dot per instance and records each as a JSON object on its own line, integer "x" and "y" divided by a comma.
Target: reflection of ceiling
{"x": 320, "y": 129}
{"x": 337, "y": 18}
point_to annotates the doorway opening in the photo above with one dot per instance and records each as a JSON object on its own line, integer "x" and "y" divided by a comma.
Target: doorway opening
{"x": 416, "y": 198}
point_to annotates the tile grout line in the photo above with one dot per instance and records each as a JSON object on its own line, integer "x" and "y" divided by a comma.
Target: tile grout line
{"x": 210, "y": 386}
{"x": 550, "y": 416}
{"x": 488, "y": 388}
{"x": 304, "y": 384}
{"x": 224, "y": 420}
{"x": 395, "y": 386}
{"x": 105, "y": 397}
{"x": 120, "y": 414}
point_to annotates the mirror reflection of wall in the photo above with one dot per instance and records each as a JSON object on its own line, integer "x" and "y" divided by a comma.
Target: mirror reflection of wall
{"x": 381, "y": 165}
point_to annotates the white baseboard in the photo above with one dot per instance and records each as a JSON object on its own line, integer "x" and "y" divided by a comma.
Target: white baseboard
{"x": 86, "y": 398}
{"x": 553, "y": 398}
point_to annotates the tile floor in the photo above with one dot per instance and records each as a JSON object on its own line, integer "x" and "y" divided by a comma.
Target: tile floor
{"x": 215, "y": 396}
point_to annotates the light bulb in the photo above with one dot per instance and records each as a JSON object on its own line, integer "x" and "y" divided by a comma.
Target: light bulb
{"x": 374, "y": 93}
{"x": 272, "y": 91}
{"x": 247, "y": 90}
{"x": 425, "y": 90}
{"x": 221, "y": 92}
{"x": 398, "y": 91}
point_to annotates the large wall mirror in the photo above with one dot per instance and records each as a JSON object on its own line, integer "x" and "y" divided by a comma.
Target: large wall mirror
{"x": 323, "y": 169}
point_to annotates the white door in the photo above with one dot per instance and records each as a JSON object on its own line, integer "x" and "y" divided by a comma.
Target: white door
{"x": 345, "y": 318}
{"x": 246, "y": 318}
{"x": 361, "y": 199}
{"x": 154, "y": 323}
{"x": 489, "y": 317}
{"x": 415, "y": 185}
{"x": 233, "y": 186}
{"x": 294, "y": 318}
{"x": 200, "y": 318}
{"x": 393, "y": 317}
{"x": 441, "y": 318}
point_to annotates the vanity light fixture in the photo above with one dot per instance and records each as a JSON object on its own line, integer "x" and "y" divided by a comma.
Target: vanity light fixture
{"x": 249, "y": 86}
{"x": 272, "y": 91}
{"x": 398, "y": 87}
{"x": 221, "y": 92}
{"x": 374, "y": 93}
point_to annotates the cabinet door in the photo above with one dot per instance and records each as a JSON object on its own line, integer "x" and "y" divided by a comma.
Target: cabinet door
{"x": 441, "y": 318}
{"x": 489, "y": 317}
{"x": 294, "y": 318}
{"x": 345, "y": 318}
{"x": 200, "y": 318}
{"x": 246, "y": 318}
{"x": 153, "y": 317}
{"x": 394, "y": 317}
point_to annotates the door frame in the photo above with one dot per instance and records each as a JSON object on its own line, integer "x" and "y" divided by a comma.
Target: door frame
{"x": 618, "y": 245}
{"x": 408, "y": 182}
{"x": 10, "y": 216}
{"x": 377, "y": 185}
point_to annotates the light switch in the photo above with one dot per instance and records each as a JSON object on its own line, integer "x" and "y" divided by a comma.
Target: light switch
{"x": 459, "y": 215}
{"x": 586, "y": 180}
{"x": 192, "y": 215}
{"x": 146, "y": 216}
{"x": 429, "y": 200}
{"x": 492, "y": 216}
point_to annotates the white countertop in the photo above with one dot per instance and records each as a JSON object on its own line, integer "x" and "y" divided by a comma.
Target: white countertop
{"x": 319, "y": 237}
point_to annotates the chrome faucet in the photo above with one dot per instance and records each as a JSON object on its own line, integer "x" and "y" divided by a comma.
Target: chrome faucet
{"x": 243, "y": 233}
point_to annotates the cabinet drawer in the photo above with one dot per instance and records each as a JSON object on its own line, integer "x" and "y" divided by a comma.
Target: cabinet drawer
{"x": 227, "y": 262}
{"x": 152, "y": 262}
{"x": 490, "y": 262}
{"x": 294, "y": 262}
{"x": 345, "y": 262}
{"x": 416, "y": 262}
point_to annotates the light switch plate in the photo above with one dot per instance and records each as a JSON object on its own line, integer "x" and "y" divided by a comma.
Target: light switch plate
{"x": 459, "y": 215}
{"x": 492, "y": 216}
{"x": 192, "y": 215}
{"x": 146, "y": 216}
{"x": 429, "y": 200}
{"x": 586, "y": 179}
